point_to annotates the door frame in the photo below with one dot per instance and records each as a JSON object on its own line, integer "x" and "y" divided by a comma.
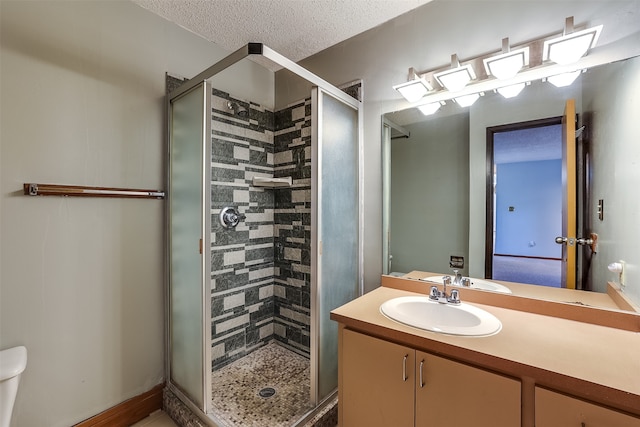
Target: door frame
{"x": 489, "y": 219}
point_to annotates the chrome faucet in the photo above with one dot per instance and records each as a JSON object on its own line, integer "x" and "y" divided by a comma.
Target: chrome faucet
{"x": 457, "y": 280}
{"x": 443, "y": 297}
{"x": 461, "y": 281}
{"x": 446, "y": 280}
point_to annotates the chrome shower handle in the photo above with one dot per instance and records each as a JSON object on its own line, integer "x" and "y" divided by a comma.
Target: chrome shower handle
{"x": 230, "y": 217}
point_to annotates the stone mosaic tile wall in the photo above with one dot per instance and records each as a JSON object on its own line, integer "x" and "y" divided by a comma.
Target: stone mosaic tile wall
{"x": 242, "y": 259}
{"x": 292, "y": 290}
{"x": 261, "y": 270}
{"x": 260, "y": 279}
{"x": 292, "y": 157}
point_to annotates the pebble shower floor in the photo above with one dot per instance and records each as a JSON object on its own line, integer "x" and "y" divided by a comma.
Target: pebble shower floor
{"x": 237, "y": 387}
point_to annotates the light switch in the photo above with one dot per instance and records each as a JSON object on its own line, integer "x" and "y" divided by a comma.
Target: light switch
{"x": 601, "y": 209}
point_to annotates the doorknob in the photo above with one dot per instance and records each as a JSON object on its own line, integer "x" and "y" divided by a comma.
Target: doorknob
{"x": 565, "y": 240}
{"x": 591, "y": 241}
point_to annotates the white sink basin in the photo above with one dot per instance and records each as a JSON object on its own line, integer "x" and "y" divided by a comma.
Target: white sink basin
{"x": 481, "y": 284}
{"x": 420, "y": 312}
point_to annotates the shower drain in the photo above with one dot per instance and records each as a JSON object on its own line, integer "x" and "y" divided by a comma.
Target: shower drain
{"x": 267, "y": 392}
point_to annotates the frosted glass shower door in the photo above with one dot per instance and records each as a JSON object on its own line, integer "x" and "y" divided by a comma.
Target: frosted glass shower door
{"x": 188, "y": 353}
{"x": 336, "y": 214}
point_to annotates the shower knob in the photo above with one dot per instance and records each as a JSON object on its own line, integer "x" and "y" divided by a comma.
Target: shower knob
{"x": 230, "y": 217}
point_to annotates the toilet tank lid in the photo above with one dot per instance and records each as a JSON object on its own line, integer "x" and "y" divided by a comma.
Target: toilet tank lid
{"x": 12, "y": 362}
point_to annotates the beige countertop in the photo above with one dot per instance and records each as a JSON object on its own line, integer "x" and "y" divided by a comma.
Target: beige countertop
{"x": 594, "y": 362}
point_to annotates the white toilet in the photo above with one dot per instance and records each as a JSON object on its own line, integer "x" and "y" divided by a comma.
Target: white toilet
{"x": 12, "y": 363}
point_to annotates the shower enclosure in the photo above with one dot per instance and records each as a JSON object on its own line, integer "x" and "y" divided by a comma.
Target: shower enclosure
{"x": 264, "y": 238}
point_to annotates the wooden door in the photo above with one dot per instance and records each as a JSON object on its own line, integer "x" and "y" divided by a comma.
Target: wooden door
{"x": 378, "y": 380}
{"x": 452, "y": 394}
{"x": 569, "y": 197}
{"x": 557, "y": 410}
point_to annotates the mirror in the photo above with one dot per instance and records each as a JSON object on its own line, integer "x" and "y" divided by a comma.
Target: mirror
{"x": 434, "y": 172}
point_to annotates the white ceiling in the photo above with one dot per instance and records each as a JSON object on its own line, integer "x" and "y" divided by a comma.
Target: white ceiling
{"x": 296, "y": 29}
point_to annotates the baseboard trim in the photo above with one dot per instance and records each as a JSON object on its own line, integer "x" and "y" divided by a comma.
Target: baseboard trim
{"x": 128, "y": 412}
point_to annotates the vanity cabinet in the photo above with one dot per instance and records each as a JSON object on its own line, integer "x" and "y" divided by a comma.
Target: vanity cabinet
{"x": 558, "y": 410}
{"x": 384, "y": 384}
{"x": 378, "y": 382}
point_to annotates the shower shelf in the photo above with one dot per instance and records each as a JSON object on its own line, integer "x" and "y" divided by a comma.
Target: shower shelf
{"x": 269, "y": 182}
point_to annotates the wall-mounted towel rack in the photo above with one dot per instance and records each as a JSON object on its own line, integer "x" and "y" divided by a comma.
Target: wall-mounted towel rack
{"x": 32, "y": 189}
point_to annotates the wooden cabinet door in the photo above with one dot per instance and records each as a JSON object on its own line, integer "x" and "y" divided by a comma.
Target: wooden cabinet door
{"x": 557, "y": 410}
{"x": 378, "y": 381}
{"x": 452, "y": 394}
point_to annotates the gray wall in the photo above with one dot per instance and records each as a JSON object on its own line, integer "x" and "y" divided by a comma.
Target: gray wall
{"x": 611, "y": 101}
{"x": 430, "y": 195}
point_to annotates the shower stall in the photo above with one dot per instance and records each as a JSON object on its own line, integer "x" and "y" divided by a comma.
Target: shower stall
{"x": 264, "y": 238}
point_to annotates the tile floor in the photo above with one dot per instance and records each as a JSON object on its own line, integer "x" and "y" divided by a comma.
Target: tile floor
{"x": 237, "y": 387}
{"x": 156, "y": 419}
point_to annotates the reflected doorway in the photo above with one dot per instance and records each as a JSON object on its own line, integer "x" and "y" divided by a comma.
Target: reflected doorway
{"x": 524, "y": 193}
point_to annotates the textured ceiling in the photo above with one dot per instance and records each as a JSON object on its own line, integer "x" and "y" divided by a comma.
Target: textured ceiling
{"x": 528, "y": 145}
{"x": 296, "y": 29}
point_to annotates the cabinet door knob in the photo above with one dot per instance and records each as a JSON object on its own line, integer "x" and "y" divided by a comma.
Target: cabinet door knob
{"x": 421, "y": 380}
{"x": 404, "y": 367}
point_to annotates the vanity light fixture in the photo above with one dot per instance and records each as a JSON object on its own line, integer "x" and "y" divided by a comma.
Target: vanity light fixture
{"x": 511, "y": 91}
{"x": 468, "y": 100}
{"x": 564, "y": 79}
{"x": 456, "y": 78}
{"x": 571, "y": 46}
{"x": 507, "y": 72}
{"x": 431, "y": 108}
{"x": 507, "y": 64}
{"x": 415, "y": 88}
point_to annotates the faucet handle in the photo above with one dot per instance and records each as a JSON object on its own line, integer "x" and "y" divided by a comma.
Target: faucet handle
{"x": 466, "y": 282}
{"x": 454, "y": 298}
{"x": 434, "y": 294}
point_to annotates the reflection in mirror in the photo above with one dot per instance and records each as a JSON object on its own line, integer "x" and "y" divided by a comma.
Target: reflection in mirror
{"x": 435, "y": 171}
{"x": 525, "y": 210}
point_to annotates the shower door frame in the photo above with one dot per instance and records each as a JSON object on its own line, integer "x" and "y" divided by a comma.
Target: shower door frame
{"x": 317, "y": 106}
{"x": 205, "y": 241}
{"x": 240, "y": 54}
